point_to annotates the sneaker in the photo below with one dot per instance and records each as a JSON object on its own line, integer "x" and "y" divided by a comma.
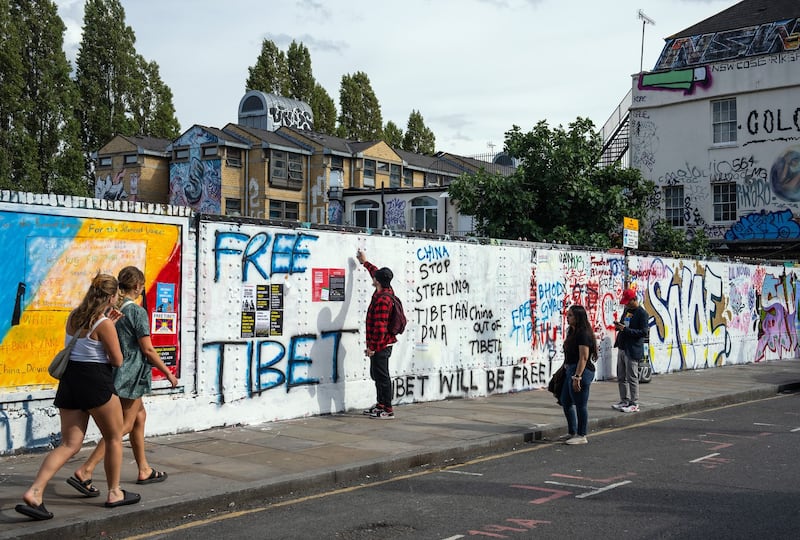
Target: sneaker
{"x": 630, "y": 407}
{"x": 577, "y": 439}
{"x": 371, "y": 409}
{"x": 620, "y": 405}
{"x": 383, "y": 414}
{"x": 566, "y": 437}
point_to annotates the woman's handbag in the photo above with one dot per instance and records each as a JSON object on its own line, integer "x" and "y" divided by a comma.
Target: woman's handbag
{"x": 58, "y": 366}
{"x": 557, "y": 383}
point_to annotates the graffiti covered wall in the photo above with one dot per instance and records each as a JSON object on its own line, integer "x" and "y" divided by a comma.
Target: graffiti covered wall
{"x": 761, "y": 154}
{"x": 196, "y": 181}
{"x": 276, "y": 329}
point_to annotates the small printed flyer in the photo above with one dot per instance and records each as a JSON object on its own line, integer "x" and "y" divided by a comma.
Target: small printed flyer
{"x": 262, "y": 310}
{"x": 164, "y": 323}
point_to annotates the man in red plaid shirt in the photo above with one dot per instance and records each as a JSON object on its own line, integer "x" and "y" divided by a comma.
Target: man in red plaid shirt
{"x": 379, "y": 340}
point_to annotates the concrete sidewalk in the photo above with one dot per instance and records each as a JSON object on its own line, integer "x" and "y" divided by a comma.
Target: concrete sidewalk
{"x": 221, "y": 469}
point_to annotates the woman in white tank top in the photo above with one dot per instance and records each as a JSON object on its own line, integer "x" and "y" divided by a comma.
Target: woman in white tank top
{"x": 87, "y": 390}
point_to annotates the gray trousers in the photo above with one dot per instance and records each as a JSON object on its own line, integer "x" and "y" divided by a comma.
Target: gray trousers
{"x": 627, "y": 377}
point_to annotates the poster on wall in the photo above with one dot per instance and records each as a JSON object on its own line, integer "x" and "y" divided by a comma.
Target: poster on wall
{"x": 327, "y": 285}
{"x": 262, "y": 310}
{"x": 165, "y": 294}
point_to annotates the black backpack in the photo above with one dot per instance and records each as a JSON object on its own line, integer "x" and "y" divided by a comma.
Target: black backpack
{"x": 397, "y": 317}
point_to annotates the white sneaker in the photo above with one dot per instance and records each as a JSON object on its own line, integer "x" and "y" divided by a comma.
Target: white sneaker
{"x": 631, "y": 407}
{"x": 619, "y": 406}
{"x": 577, "y": 439}
{"x": 565, "y": 437}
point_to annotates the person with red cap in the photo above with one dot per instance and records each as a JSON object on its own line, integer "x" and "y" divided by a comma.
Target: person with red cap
{"x": 632, "y": 328}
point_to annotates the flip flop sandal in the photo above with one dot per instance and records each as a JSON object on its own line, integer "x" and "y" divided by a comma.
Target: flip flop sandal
{"x": 155, "y": 476}
{"x": 39, "y": 513}
{"x": 128, "y": 498}
{"x": 84, "y": 487}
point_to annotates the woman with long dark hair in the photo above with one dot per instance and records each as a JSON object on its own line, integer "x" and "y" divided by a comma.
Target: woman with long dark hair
{"x": 580, "y": 349}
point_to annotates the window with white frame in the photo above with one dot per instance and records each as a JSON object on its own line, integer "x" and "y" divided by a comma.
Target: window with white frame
{"x": 723, "y": 120}
{"x": 724, "y": 201}
{"x": 210, "y": 151}
{"x": 337, "y": 162}
{"x": 284, "y": 210}
{"x": 365, "y": 214}
{"x": 131, "y": 159}
{"x": 424, "y": 213}
{"x": 673, "y": 205}
{"x": 369, "y": 172}
{"x": 180, "y": 154}
{"x": 104, "y": 162}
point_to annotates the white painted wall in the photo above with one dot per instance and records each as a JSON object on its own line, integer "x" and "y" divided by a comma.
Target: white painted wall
{"x": 483, "y": 319}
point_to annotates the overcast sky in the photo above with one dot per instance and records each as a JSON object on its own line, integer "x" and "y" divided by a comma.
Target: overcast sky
{"x": 473, "y": 68}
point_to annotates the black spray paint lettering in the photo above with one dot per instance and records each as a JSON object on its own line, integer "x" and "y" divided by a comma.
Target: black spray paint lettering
{"x": 406, "y": 385}
{"x": 772, "y": 121}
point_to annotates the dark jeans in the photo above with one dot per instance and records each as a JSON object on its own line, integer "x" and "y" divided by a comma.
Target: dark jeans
{"x": 576, "y": 404}
{"x": 379, "y": 372}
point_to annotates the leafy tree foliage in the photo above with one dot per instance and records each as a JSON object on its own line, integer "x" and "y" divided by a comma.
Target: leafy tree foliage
{"x": 558, "y": 193}
{"x": 270, "y": 74}
{"x": 360, "y": 113}
{"x": 393, "y": 135}
{"x": 151, "y": 107}
{"x": 39, "y": 144}
{"x": 662, "y": 237}
{"x": 301, "y": 79}
{"x": 106, "y": 73}
{"x": 120, "y": 92}
{"x": 418, "y": 138}
{"x": 324, "y": 110}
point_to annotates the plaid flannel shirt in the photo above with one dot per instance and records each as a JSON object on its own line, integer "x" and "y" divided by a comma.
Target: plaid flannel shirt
{"x": 378, "y": 336}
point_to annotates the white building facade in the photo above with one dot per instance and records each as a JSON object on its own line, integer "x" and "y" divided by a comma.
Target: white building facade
{"x": 717, "y": 128}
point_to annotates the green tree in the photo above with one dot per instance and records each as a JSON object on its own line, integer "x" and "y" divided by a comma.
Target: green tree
{"x": 152, "y": 108}
{"x": 393, "y": 135}
{"x": 418, "y": 138}
{"x": 558, "y": 193}
{"x": 324, "y": 110}
{"x": 270, "y": 73}
{"x": 359, "y": 111}
{"x": 301, "y": 79}
{"x": 106, "y": 73}
{"x": 664, "y": 238}
{"x": 39, "y": 144}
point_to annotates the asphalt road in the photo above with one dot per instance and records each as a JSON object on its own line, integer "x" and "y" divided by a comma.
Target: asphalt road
{"x": 724, "y": 473}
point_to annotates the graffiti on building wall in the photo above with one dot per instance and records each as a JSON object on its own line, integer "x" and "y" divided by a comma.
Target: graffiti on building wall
{"x": 785, "y": 173}
{"x": 770, "y": 38}
{"x": 645, "y": 132}
{"x": 196, "y": 182}
{"x": 112, "y": 188}
{"x": 295, "y": 117}
{"x": 48, "y": 264}
{"x": 683, "y": 80}
{"x": 396, "y": 214}
{"x": 765, "y": 225}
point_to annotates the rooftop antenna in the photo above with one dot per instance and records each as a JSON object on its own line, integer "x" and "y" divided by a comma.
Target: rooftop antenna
{"x": 491, "y": 146}
{"x": 645, "y": 21}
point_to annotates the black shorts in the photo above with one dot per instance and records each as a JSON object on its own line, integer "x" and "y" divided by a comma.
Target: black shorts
{"x": 84, "y": 386}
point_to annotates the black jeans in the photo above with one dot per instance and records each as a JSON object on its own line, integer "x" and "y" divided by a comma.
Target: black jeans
{"x": 379, "y": 372}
